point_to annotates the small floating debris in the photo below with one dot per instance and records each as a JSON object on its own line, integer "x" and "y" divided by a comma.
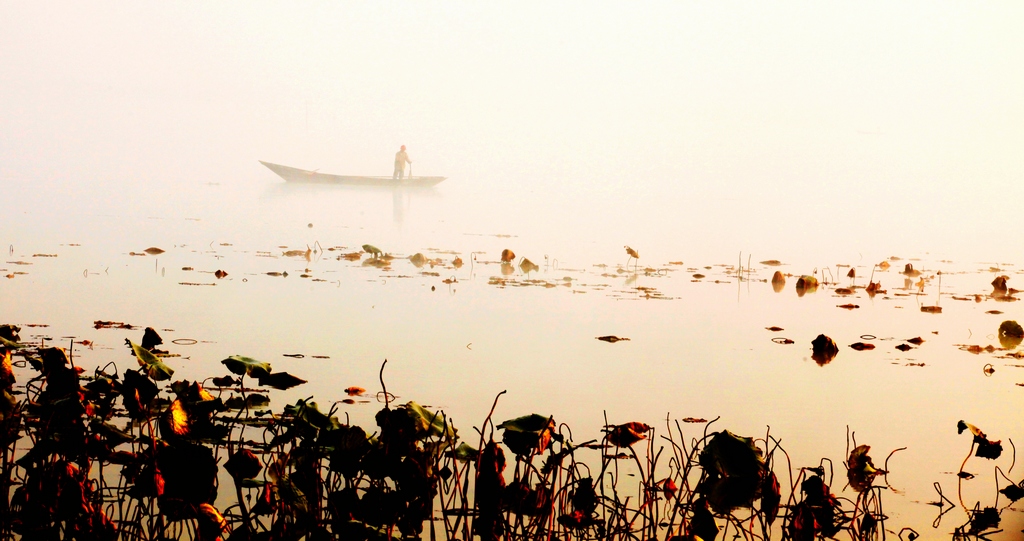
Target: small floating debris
{"x": 775, "y": 329}
{"x": 611, "y": 339}
{"x": 861, "y": 346}
{"x": 153, "y": 250}
{"x": 100, "y": 324}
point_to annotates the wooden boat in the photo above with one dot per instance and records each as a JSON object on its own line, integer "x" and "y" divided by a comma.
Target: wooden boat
{"x": 294, "y": 174}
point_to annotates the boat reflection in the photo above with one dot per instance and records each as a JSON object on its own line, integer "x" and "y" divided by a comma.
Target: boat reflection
{"x": 286, "y": 194}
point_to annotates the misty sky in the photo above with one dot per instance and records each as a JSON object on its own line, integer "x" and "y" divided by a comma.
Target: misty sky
{"x": 892, "y": 99}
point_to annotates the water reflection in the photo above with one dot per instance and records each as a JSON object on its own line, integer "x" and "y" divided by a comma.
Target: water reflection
{"x": 296, "y": 193}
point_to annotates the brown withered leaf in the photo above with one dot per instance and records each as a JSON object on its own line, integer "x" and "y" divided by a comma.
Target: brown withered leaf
{"x": 354, "y": 391}
{"x": 782, "y": 340}
{"x": 848, "y": 306}
{"x": 932, "y": 309}
{"x": 917, "y": 340}
{"x": 904, "y": 347}
{"x": 625, "y": 435}
{"x": 611, "y": 339}
{"x": 775, "y": 329}
{"x": 695, "y": 420}
{"x": 861, "y": 346}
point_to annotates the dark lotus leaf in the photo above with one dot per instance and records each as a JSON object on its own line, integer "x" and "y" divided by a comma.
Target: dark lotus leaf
{"x": 253, "y": 401}
{"x": 1011, "y": 334}
{"x": 727, "y": 493}
{"x": 804, "y": 526}
{"x": 983, "y": 520}
{"x": 823, "y": 349}
{"x": 243, "y": 464}
{"x": 816, "y": 492}
{"x": 155, "y": 368}
{"x": 225, "y": 381}
{"x": 429, "y": 424}
{"x": 281, "y": 380}
{"x": 190, "y": 473}
{"x": 771, "y": 496}
{"x": 61, "y": 379}
{"x": 860, "y": 470}
{"x": 729, "y": 455}
{"x": 519, "y": 498}
{"x": 349, "y": 444}
{"x": 245, "y": 366}
{"x": 344, "y": 505}
{"x": 806, "y": 284}
{"x": 137, "y": 392}
{"x": 529, "y": 434}
{"x": 584, "y": 498}
{"x": 703, "y": 522}
{"x": 961, "y": 426}
{"x": 490, "y": 483}
{"x": 464, "y": 452}
{"x": 10, "y": 332}
{"x": 103, "y": 384}
{"x": 1013, "y": 492}
{"x": 1011, "y": 328}
{"x": 824, "y": 505}
{"x": 150, "y": 339}
{"x": 987, "y": 448}
{"x": 310, "y": 413}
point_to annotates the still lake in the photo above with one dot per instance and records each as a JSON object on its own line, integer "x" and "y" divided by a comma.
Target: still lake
{"x": 698, "y": 346}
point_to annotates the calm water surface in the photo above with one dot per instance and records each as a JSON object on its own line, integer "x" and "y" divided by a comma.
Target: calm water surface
{"x": 697, "y": 348}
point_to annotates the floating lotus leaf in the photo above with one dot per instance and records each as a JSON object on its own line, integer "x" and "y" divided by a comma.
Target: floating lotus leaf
{"x": 625, "y": 435}
{"x": 823, "y": 349}
{"x": 1010, "y": 334}
{"x": 155, "y": 368}
{"x": 281, "y": 380}
{"x": 245, "y": 366}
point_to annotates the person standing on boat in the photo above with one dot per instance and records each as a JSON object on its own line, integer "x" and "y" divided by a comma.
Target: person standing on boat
{"x": 401, "y": 158}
